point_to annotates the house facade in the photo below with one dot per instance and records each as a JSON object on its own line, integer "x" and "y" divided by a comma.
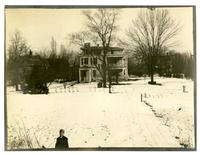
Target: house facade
{"x": 91, "y": 63}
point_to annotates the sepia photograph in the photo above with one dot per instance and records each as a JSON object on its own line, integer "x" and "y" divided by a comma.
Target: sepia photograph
{"x": 100, "y": 78}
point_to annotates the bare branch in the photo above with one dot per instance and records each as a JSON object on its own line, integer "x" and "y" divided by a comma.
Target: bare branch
{"x": 151, "y": 33}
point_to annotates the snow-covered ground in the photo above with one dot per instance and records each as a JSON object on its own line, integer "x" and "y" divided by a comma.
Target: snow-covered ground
{"x": 92, "y": 117}
{"x": 175, "y": 108}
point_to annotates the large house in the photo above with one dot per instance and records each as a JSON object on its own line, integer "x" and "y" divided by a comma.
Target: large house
{"x": 91, "y": 63}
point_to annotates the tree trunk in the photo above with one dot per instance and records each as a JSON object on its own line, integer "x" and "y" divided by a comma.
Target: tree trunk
{"x": 104, "y": 78}
{"x": 152, "y": 78}
{"x": 110, "y": 87}
{"x": 16, "y": 87}
{"x": 104, "y": 71}
{"x": 110, "y": 82}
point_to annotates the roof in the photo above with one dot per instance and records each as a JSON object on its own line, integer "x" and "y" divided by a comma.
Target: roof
{"x": 101, "y": 48}
{"x": 32, "y": 60}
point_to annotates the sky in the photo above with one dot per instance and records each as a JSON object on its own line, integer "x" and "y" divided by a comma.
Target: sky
{"x": 37, "y": 26}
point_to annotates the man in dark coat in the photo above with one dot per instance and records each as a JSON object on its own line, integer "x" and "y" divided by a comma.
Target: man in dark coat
{"x": 62, "y": 141}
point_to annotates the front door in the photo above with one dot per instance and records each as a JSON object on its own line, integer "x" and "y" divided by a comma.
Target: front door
{"x": 84, "y": 76}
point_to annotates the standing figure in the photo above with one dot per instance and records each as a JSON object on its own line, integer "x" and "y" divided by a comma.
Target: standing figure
{"x": 62, "y": 141}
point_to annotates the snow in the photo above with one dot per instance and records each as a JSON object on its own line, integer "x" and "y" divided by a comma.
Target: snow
{"x": 91, "y": 117}
{"x": 175, "y": 108}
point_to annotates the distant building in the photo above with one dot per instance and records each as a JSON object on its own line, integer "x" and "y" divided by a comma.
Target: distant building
{"x": 91, "y": 63}
{"x": 165, "y": 64}
{"x": 29, "y": 62}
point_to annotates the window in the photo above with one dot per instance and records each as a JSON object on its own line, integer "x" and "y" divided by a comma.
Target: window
{"x": 95, "y": 61}
{"x": 112, "y": 52}
{"x": 91, "y": 61}
{"x": 86, "y": 61}
{"x": 81, "y": 61}
{"x": 94, "y": 73}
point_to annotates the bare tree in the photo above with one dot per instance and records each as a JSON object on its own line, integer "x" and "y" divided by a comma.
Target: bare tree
{"x": 18, "y": 46}
{"x": 44, "y": 53}
{"x": 150, "y": 35}
{"x": 101, "y": 25}
{"x": 16, "y": 49}
{"x": 82, "y": 37}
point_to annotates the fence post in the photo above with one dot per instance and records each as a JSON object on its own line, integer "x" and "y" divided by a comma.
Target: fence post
{"x": 141, "y": 97}
{"x": 184, "y": 87}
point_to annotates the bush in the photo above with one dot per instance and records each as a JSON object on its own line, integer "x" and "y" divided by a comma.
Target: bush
{"x": 21, "y": 138}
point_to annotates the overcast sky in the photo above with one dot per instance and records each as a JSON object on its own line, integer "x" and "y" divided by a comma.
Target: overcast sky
{"x": 39, "y": 25}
